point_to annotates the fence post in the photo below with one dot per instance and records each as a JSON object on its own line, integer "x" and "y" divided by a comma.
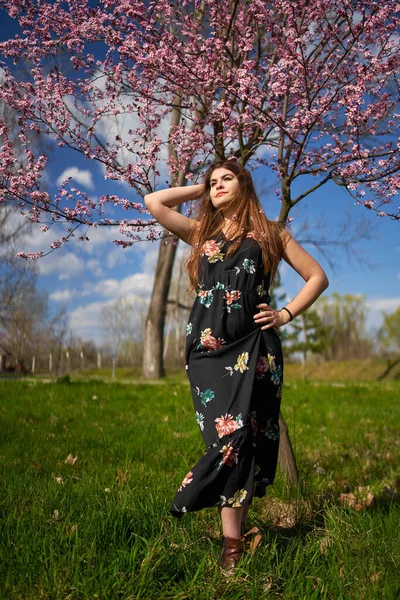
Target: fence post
{"x": 50, "y": 362}
{"x": 33, "y": 364}
{"x": 81, "y": 359}
{"x": 99, "y": 361}
{"x": 68, "y": 361}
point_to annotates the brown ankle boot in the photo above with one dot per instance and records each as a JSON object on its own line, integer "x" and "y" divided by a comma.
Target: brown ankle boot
{"x": 232, "y": 550}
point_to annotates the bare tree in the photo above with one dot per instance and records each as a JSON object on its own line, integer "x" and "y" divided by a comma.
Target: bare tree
{"x": 122, "y": 320}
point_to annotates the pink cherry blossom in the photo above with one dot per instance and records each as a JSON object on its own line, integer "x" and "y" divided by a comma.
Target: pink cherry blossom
{"x": 153, "y": 91}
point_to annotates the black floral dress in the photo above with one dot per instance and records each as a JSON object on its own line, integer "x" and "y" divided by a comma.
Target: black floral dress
{"x": 235, "y": 374}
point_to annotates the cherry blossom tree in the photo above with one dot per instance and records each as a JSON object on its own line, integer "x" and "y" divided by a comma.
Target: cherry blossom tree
{"x": 155, "y": 90}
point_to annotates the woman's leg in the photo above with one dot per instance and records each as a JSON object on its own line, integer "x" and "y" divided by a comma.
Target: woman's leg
{"x": 232, "y": 522}
{"x": 230, "y": 517}
{"x": 232, "y": 545}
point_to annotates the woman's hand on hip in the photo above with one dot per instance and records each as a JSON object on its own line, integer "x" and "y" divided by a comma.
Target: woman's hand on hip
{"x": 269, "y": 317}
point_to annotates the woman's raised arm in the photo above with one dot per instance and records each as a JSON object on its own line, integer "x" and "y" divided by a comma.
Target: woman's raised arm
{"x": 160, "y": 205}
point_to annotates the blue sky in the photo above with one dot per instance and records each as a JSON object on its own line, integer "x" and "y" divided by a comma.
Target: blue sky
{"x": 84, "y": 277}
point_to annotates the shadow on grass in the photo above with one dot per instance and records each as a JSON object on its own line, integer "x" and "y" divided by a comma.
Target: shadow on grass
{"x": 282, "y": 521}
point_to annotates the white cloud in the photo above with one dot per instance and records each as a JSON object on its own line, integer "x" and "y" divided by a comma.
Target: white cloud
{"x": 84, "y": 177}
{"x": 62, "y": 295}
{"x": 139, "y": 284}
{"x": 63, "y": 264}
{"x": 116, "y": 256}
{"x": 383, "y": 304}
{"x": 94, "y": 266}
{"x": 377, "y": 306}
{"x": 150, "y": 252}
{"x": 98, "y": 237}
{"x": 87, "y": 322}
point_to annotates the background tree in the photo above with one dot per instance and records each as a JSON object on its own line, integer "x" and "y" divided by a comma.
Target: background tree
{"x": 345, "y": 317}
{"x": 389, "y": 333}
{"x": 308, "y": 336}
{"x": 117, "y": 319}
{"x": 29, "y": 330}
{"x": 389, "y": 337}
{"x": 78, "y": 354}
{"x": 179, "y": 304}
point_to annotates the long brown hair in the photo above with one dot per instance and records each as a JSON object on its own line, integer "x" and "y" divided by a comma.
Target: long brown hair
{"x": 245, "y": 209}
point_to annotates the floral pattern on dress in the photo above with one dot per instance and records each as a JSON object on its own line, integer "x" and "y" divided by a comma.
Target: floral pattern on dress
{"x": 209, "y": 342}
{"x": 205, "y": 396}
{"x": 226, "y": 424}
{"x": 238, "y": 498}
{"x": 260, "y": 290}
{"x": 230, "y": 298}
{"x": 189, "y": 328}
{"x": 249, "y": 266}
{"x": 229, "y": 455}
{"x": 241, "y": 364}
{"x": 276, "y": 370}
{"x": 200, "y": 420}
{"x": 212, "y": 250}
{"x": 262, "y": 367}
{"x": 188, "y": 479}
{"x": 206, "y": 296}
{"x": 271, "y": 430}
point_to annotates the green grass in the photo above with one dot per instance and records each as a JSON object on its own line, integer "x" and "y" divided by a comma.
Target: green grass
{"x": 100, "y": 529}
{"x": 367, "y": 369}
{"x": 357, "y": 370}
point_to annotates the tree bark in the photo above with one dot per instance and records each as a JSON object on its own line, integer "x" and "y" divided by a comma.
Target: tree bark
{"x": 287, "y": 459}
{"x": 153, "y": 364}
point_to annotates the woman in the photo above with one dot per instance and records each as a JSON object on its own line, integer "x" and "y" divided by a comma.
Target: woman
{"x": 233, "y": 351}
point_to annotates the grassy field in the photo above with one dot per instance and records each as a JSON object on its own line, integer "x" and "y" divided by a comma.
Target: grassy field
{"x": 357, "y": 370}
{"x": 89, "y": 470}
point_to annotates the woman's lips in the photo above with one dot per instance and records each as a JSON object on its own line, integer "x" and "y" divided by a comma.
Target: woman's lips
{"x": 220, "y": 194}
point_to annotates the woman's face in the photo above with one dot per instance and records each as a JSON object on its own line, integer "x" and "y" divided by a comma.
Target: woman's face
{"x": 223, "y": 187}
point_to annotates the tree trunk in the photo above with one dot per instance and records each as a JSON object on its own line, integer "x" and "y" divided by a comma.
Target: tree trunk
{"x": 287, "y": 459}
{"x": 153, "y": 366}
